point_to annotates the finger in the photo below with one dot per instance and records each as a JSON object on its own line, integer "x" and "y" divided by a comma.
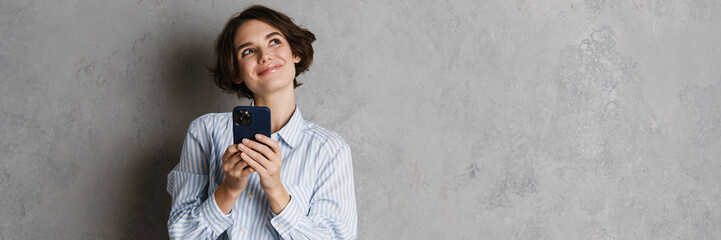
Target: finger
{"x": 259, "y": 147}
{"x": 252, "y": 148}
{"x": 231, "y": 162}
{"x": 269, "y": 142}
{"x": 241, "y": 173}
{"x": 238, "y": 169}
{"x": 232, "y": 149}
{"x": 247, "y": 171}
{"x": 240, "y": 165}
{"x": 253, "y": 164}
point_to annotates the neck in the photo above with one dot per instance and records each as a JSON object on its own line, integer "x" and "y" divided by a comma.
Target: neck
{"x": 281, "y": 105}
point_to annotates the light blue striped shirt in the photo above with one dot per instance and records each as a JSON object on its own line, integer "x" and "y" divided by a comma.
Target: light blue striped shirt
{"x": 316, "y": 170}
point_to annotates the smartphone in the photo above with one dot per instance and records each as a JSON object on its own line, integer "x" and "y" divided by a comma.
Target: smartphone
{"x": 248, "y": 121}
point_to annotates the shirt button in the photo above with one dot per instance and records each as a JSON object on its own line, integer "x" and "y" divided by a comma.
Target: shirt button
{"x": 250, "y": 196}
{"x": 243, "y": 229}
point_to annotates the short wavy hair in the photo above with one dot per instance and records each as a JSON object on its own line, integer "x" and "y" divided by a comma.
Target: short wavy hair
{"x": 226, "y": 66}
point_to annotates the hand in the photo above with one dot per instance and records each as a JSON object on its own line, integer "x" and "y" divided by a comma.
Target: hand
{"x": 266, "y": 160}
{"x": 236, "y": 171}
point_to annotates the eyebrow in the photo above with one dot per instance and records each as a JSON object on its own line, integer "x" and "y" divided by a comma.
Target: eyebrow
{"x": 266, "y": 37}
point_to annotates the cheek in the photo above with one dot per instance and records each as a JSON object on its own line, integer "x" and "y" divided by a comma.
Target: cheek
{"x": 245, "y": 67}
{"x": 287, "y": 53}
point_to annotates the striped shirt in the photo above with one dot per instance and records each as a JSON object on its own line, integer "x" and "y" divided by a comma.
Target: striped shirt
{"x": 316, "y": 171}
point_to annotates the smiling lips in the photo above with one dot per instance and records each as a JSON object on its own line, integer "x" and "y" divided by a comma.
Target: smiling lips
{"x": 269, "y": 69}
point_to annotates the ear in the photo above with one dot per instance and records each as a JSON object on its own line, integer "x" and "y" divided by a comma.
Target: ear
{"x": 296, "y": 59}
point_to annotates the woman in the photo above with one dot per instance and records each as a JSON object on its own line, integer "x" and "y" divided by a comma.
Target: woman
{"x": 297, "y": 184}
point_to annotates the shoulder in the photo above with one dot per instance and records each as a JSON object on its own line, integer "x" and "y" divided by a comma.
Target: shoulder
{"x": 329, "y": 141}
{"x": 209, "y": 123}
{"x": 212, "y": 118}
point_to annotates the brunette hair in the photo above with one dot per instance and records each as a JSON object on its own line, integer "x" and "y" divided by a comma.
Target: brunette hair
{"x": 226, "y": 70}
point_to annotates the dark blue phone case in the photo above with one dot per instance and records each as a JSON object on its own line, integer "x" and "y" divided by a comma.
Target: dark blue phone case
{"x": 260, "y": 123}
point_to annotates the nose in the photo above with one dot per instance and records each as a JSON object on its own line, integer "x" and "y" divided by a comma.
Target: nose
{"x": 264, "y": 56}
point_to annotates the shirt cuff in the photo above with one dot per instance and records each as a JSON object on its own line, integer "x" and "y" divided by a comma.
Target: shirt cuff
{"x": 288, "y": 219}
{"x": 214, "y": 217}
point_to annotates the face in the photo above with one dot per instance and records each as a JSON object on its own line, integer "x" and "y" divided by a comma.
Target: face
{"x": 265, "y": 61}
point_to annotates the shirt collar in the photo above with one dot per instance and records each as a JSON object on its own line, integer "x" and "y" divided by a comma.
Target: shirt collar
{"x": 292, "y": 132}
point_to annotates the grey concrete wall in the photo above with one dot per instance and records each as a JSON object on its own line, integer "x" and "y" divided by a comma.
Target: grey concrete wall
{"x": 467, "y": 119}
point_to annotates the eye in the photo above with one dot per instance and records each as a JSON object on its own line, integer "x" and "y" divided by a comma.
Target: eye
{"x": 246, "y": 52}
{"x": 274, "y": 42}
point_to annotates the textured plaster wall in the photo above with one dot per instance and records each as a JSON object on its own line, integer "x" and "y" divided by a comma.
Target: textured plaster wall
{"x": 467, "y": 119}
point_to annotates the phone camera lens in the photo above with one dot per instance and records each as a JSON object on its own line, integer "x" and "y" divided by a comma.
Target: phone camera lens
{"x": 242, "y": 117}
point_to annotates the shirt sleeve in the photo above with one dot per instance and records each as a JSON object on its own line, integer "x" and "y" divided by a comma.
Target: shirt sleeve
{"x": 194, "y": 214}
{"x": 332, "y": 212}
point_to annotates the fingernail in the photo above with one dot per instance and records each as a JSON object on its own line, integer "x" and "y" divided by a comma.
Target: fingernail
{"x": 241, "y": 147}
{"x": 258, "y": 136}
{"x": 245, "y": 141}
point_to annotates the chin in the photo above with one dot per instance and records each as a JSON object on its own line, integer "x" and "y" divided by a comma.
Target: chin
{"x": 273, "y": 86}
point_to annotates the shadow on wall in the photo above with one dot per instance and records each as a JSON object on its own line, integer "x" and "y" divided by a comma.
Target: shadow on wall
{"x": 184, "y": 91}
